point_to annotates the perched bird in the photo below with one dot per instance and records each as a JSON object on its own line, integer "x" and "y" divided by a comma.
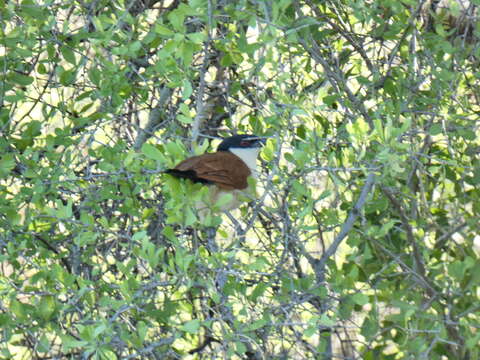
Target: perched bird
{"x": 225, "y": 171}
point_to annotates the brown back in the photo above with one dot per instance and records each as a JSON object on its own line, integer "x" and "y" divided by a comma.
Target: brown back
{"x": 223, "y": 168}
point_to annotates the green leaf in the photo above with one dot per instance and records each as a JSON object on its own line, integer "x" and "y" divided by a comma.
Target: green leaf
{"x": 176, "y": 18}
{"x": 142, "y": 330}
{"x": 190, "y": 217}
{"x": 386, "y": 228}
{"x": 67, "y": 77}
{"x": 360, "y": 299}
{"x": 369, "y": 327}
{"x": 331, "y": 100}
{"x": 46, "y": 307}
{"x": 359, "y": 129}
{"x": 184, "y": 119}
{"x": 68, "y": 54}
{"x": 163, "y": 30}
{"x": 390, "y": 88}
{"x": 99, "y": 330}
{"x": 169, "y": 234}
{"x": 473, "y": 342}
{"x": 64, "y": 211}
{"x": 197, "y": 38}
{"x": 152, "y": 152}
{"x": 310, "y": 330}
{"x": 85, "y": 238}
{"x": 240, "y": 347}
{"x": 326, "y": 320}
{"x": 41, "y": 69}
{"x": 187, "y": 89}
{"x": 257, "y": 324}
{"x": 224, "y": 200}
{"x": 19, "y": 310}
{"x": 191, "y": 326}
{"x": 435, "y": 129}
{"x": 95, "y": 75}
{"x": 226, "y": 60}
{"x": 69, "y": 342}
{"x": 7, "y": 164}
{"x": 21, "y": 79}
{"x": 33, "y": 10}
{"x": 134, "y": 47}
{"x": 457, "y": 270}
{"x": 12, "y": 214}
{"x": 185, "y": 52}
{"x": 174, "y": 149}
{"x": 268, "y": 151}
{"x": 140, "y": 236}
{"x": 258, "y": 291}
{"x": 44, "y": 344}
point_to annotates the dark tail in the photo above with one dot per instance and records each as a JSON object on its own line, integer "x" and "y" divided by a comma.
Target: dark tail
{"x": 187, "y": 174}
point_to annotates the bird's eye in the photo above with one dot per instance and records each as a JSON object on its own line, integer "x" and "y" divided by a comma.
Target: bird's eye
{"x": 245, "y": 143}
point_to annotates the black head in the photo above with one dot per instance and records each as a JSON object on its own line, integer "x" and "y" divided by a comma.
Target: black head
{"x": 241, "y": 141}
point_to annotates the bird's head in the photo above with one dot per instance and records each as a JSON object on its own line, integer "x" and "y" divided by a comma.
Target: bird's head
{"x": 241, "y": 142}
{"x": 246, "y": 147}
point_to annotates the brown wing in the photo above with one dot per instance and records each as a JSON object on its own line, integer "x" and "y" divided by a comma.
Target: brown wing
{"x": 222, "y": 168}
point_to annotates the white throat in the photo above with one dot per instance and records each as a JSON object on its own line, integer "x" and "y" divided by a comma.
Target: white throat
{"x": 249, "y": 157}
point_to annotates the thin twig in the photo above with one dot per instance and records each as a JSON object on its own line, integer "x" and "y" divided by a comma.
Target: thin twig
{"x": 201, "y": 107}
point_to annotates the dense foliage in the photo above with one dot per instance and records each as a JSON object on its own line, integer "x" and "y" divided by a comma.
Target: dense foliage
{"x": 363, "y": 243}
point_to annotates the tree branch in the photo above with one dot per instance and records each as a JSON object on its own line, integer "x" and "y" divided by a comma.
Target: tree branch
{"x": 347, "y": 226}
{"x": 155, "y": 117}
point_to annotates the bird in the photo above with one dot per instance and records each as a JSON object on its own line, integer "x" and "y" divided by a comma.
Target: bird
{"x": 225, "y": 171}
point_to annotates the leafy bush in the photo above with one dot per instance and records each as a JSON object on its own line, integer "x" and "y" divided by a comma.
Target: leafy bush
{"x": 363, "y": 242}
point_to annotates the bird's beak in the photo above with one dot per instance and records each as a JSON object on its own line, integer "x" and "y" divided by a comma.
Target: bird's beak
{"x": 259, "y": 141}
